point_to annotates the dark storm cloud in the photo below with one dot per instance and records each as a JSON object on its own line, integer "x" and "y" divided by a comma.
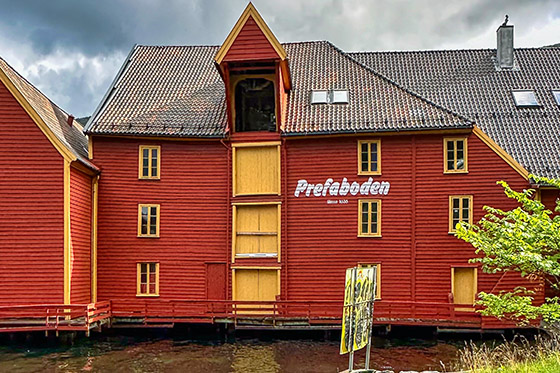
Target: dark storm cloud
{"x": 72, "y": 49}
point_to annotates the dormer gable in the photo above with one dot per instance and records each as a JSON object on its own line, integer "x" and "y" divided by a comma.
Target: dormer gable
{"x": 255, "y": 71}
{"x": 250, "y": 40}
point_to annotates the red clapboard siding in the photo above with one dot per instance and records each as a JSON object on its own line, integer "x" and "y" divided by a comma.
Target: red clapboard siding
{"x": 80, "y": 233}
{"x": 192, "y": 193}
{"x": 32, "y": 205}
{"x": 250, "y": 44}
{"x": 322, "y": 238}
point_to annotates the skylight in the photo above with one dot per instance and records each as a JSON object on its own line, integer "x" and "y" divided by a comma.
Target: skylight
{"x": 556, "y": 94}
{"x": 339, "y": 96}
{"x": 525, "y": 98}
{"x": 319, "y": 96}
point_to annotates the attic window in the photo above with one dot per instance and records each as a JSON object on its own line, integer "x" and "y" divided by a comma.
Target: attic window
{"x": 556, "y": 94}
{"x": 255, "y": 105}
{"x": 319, "y": 96}
{"x": 339, "y": 96}
{"x": 525, "y": 98}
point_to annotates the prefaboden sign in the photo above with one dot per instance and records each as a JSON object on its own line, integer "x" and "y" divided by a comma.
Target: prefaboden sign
{"x": 341, "y": 189}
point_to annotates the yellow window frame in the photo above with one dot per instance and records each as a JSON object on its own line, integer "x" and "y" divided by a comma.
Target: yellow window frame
{"x": 360, "y": 220}
{"x": 149, "y": 207}
{"x": 446, "y": 159}
{"x": 461, "y": 198}
{"x": 378, "y": 277}
{"x": 139, "y": 279}
{"x": 369, "y": 171}
{"x": 150, "y": 168}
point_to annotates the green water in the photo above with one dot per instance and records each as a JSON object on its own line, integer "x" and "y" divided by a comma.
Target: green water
{"x": 156, "y": 354}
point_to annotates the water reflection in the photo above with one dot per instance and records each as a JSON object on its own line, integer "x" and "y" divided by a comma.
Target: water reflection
{"x": 126, "y": 354}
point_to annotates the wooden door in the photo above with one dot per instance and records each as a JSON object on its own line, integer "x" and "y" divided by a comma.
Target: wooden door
{"x": 464, "y": 287}
{"x": 256, "y": 285}
{"x": 216, "y": 285}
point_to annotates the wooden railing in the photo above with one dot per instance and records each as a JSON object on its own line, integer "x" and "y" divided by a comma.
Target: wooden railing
{"x": 310, "y": 312}
{"x": 57, "y": 317}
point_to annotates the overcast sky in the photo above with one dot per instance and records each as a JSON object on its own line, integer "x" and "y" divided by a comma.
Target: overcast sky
{"x": 71, "y": 50}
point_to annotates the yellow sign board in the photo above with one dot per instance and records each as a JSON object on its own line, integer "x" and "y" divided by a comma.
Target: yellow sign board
{"x": 357, "y": 316}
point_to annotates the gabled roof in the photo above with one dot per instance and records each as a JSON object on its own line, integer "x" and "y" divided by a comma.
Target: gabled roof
{"x": 70, "y": 141}
{"x": 467, "y": 82}
{"x": 250, "y": 14}
{"x": 177, "y": 91}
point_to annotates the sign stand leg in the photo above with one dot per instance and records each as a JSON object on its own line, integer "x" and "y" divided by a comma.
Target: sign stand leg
{"x": 352, "y": 306}
{"x": 368, "y": 351}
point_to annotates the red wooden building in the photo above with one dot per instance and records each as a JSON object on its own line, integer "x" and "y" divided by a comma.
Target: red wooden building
{"x": 238, "y": 182}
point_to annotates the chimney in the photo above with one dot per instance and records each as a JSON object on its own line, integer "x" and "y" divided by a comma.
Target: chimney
{"x": 70, "y": 120}
{"x": 504, "y": 53}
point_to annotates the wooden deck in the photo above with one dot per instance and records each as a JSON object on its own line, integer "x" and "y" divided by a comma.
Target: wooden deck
{"x": 279, "y": 315}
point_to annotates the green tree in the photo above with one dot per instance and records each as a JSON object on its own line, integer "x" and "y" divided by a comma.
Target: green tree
{"x": 525, "y": 240}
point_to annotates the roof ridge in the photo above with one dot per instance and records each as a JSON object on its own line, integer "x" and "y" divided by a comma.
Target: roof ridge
{"x": 471, "y": 122}
{"x": 410, "y": 51}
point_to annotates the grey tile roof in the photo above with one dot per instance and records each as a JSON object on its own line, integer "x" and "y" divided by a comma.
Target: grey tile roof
{"x": 467, "y": 82}
{"x": 54, "y": 117}
{"x": 177, "y": 91}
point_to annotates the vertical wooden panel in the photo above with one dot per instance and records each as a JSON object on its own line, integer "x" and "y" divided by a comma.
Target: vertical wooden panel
{"x": 257, "y": 170}
{"x": 268, "y": 284}
{"x": 257, "y": 229}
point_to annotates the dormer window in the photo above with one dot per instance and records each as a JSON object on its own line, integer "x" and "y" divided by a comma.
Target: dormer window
{"x": 525, "y": 98}
{"x": 255, "y": 105}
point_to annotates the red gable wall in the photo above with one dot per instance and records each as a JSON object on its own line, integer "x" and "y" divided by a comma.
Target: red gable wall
{"x": 32, "y": 205}
{"x": 250, "y": 44}
{"x": 80, "y": 228}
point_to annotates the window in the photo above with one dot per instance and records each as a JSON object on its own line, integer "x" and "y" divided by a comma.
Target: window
{"x": 556, "y": 94}
{"x": 455, "y": 155}
{"x": 464, "y": 287}
{"x": 319, "y": 96}
{"x": 339, "y": 96}
{"x": 369, "y": 218}
{"x": 460, "y": 209}
{"x": 149, "y": 162}
{"x": 369, "y": 157}
{"x": 378, "y": 279}
{"x": 333, "y": 96}
{"x": 255, "y": 105}
{"x": 148, "y": 220}
{"x": 147, "y": 279}
{"x": 524, "y": 98}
